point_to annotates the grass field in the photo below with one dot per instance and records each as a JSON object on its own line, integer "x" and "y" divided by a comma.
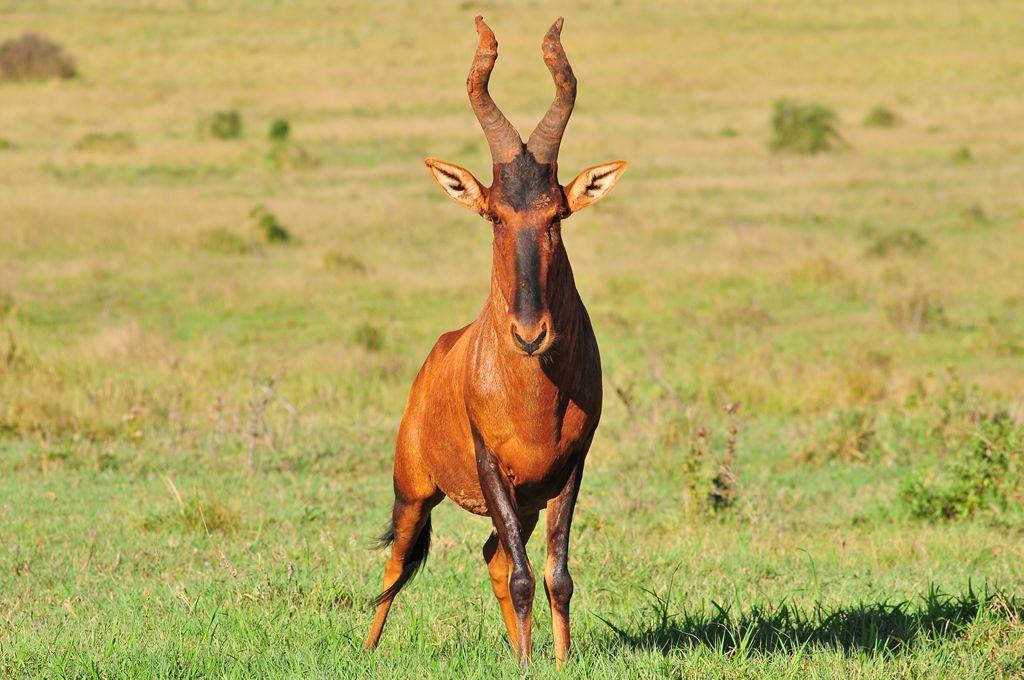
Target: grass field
{"x": 863, "y": 306}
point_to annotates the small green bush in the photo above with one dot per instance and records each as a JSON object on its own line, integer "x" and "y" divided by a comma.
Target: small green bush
{"x": 7, "y": 145}
{"x": 113, "y": 142}
{"x": 34, "y": 57}
{"x": 223, "y": 125}
{"x": 881, "y": 117}
{"x": 803, "y": 128}
{"x": 983, "y": 479}
{"x": 279, "y": 131}
{"x": 267, "y": 227}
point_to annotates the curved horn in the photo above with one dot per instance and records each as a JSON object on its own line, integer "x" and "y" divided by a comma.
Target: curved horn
{"x": 503, "y": 139}
{"x": 547, "y": 136}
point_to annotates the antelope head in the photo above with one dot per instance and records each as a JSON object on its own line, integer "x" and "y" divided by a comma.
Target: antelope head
{"x": 525, "y": 202}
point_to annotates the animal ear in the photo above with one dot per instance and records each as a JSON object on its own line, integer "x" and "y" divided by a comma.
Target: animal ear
{"x": 459, "y": 184}
{"x": 591, "y": 185}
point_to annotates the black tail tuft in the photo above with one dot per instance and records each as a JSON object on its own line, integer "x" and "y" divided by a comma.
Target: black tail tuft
{"x": 385, "y": 539}
{"x": 413, "y": 562}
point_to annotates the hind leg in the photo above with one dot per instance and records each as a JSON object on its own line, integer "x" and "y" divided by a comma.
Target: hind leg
{"x": 499, "y": 564}
{"x": 410, "y": 536}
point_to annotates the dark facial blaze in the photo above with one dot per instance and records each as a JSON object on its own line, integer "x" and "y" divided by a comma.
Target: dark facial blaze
{"x": 526, "y": 202}
{"x": 528, "y": 304}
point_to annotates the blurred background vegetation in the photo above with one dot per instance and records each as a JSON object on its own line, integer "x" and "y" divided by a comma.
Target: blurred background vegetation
{"x": 222, "y": 262}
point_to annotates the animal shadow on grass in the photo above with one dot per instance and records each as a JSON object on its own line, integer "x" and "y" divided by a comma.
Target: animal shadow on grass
{"x": 870, "y": 628}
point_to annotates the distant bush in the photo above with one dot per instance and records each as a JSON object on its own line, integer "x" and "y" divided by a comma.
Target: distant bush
{"x": 881, "y": 117}
{"x": 279, "y": 131}
{"x": 34, "y": 57}
{"x": 267, "y": 227}
{"x": 803, "y": 128}
{"x": 222, "y": 125}
{"x": 985, "y": 478}
{"x": 369, "y": 337}
{"x": 7, "y": 145}
{"x": 728, "y": 132}
{"x": 907, "y": 241}
{"x": 113, "y": 142}
{"x": 342, "y": 262}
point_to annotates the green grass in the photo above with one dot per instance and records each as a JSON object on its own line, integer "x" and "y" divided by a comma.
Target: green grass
{"x": 863, "y": 307}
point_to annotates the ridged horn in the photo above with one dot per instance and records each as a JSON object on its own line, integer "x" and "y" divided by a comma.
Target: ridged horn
{"x": 547, "y": 136}
{"x": 502, "y": 137}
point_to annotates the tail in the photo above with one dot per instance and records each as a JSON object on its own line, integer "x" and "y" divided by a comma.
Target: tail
{"x": 413, "y": 562}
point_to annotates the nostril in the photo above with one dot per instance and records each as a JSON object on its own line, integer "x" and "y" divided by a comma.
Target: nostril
{"x": 530, "y": 346}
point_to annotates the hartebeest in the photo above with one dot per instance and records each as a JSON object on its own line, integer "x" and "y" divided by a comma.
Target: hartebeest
{"x": 502, "y": 413}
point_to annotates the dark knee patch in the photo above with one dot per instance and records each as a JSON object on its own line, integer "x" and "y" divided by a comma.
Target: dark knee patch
{"x": 560, "y": 587}
{"x": 520, "y": 589}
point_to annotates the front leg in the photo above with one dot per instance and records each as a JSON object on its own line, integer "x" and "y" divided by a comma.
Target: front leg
{"x": 557, "y": 581}
{"x": 501, "y": 506}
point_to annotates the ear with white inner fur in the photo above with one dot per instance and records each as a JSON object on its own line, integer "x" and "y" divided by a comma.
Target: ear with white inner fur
{"x": 459, "y": 184}
{"x": 591, "y": 185}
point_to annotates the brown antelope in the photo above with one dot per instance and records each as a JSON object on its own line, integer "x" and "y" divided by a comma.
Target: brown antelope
{"x": 502, "y": 413}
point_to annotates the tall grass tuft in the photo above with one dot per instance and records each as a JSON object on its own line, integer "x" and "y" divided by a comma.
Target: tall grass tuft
{"x": 804, "y": 128}
{"x": 267, "y": 227}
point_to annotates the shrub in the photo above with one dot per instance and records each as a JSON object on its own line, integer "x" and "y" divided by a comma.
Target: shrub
{"x": 267, "y": 227}
{"x": 34, "y": 57}
{"x": 114, "y": 142}
{"x": 803, "y": 128}
{"x": 881, "y": 117}
{"x": 904, "y": 240}
{"x": 223, "y": 125}
{"x": 983, "y": 479}
{"x": 279, "y": 131}
{"x": 7, "y": 145}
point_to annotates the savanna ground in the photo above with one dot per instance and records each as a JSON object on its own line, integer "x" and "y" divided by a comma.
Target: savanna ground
{"x": 863, "y": 306}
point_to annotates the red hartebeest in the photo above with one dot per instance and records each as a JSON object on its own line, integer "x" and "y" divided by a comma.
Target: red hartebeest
{"x": 502, "y": 413}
